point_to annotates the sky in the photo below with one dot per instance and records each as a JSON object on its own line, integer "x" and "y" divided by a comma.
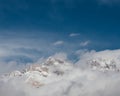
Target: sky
{"x": 39, "y": 28}
{"x": 79, "y": 30}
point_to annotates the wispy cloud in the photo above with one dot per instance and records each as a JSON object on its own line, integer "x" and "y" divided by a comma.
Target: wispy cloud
{"x": 83, "y": 44}
{"x": 58, "y": 43}
{"x": 74, "y": 34}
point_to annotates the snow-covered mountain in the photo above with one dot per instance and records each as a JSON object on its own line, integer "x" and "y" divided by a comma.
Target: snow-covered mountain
{"x": 54, "y": 69}
{"x": 39, "y": 74}
{"x": 103, "y": 65}
{"x": 56, "y": 76}
{"x": 103, "y": 61}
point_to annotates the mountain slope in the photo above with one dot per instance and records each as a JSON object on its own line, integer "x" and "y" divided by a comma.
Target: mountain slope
{"x": 39, "y": 74}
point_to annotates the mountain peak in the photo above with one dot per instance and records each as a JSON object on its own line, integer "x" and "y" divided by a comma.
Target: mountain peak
{"x": 38, "y": 74}
{"x": 103, "y": 64}
{"x": 54, "y": 61}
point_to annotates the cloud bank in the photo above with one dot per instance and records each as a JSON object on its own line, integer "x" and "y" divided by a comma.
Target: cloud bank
{"x": 79, "y": 82}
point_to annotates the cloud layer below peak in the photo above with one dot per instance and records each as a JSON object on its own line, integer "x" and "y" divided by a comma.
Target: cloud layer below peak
{"x": 78, "y": 83}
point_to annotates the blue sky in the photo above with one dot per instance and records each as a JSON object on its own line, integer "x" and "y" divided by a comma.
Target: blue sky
{"x": 35, "y": 28}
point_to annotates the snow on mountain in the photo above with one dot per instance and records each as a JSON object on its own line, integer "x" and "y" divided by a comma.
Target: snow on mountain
{"x": 103, "y": 65}
{"x": 38, "y": 74}
{"x": 54, "y": 69}
{"x": 102, "y": 61}
{"x": 59, "y": 77}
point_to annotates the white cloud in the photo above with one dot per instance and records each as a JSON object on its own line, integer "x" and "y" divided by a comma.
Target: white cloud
{"x": 62, "y": 56}
{"x": 58, "y": 43}
{"x": 74, "y": 34}
{"x": 76, "y": 83}
{"x": 84, "y": 43}
{"x": 81, "y": 52}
